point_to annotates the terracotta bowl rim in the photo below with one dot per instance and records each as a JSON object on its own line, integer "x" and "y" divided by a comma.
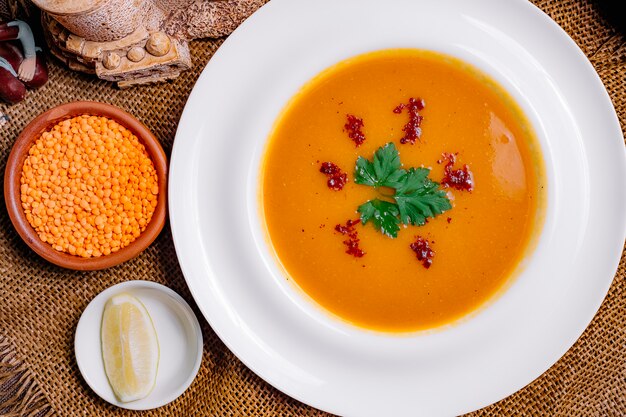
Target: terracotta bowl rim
{"x": 13, "y": 171}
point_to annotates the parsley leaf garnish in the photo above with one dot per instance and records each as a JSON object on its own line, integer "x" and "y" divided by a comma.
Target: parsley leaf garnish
{"x": 383, "y": 171}
{"x": 413, "y": 180}
{"x": 383, "y": 214}
{"x": 416, "y": 196}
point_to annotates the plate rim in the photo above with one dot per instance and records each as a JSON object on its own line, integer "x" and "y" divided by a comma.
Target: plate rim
{"x": 177, "y": 239}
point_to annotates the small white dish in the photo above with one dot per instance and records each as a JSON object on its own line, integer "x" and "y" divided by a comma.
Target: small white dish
{"x": 180, "y": 343}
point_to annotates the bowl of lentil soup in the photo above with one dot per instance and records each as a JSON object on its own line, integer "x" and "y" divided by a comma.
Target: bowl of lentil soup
{"x": 85, "y": 186}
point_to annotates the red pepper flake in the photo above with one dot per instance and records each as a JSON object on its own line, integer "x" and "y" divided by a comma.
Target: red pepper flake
{"x": 352, "y": 243}
{"x": 336, "y": 178}
{"x": 412, "y": 130}
{"x": 449, "y": 220}
{"x": 461, "y": 179}
{"x": 353, "y": 126}
{"x": 423, "y": 251}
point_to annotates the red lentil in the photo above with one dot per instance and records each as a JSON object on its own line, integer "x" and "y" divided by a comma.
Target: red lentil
{"x": 88, "y": 186}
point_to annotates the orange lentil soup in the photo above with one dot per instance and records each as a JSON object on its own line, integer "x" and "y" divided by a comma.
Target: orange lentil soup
{"x": 476, "y": 245}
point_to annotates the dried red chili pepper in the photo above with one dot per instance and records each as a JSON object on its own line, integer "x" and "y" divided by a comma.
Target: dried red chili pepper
{"x": 423, "y": 251}
{"x": 336, "y": 178}
{"x": 412, "y": 130}
{"x": 352, "y": 243}
{"x": 354, "y": 126}
{"x": 460, "y": 179}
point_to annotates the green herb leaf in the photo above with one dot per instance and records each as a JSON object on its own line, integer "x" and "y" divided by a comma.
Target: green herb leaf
{"x": 419, "y": 205}
{"x": 383, "y": 214}
{"x": 414, "y": 179}
{"x": 419, "y": 197}
{"x": 416, "y": 197}
{"x": 383, "y": 171}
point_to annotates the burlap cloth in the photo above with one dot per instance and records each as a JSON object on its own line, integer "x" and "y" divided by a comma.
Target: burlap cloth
{"x": 41, "y": 304}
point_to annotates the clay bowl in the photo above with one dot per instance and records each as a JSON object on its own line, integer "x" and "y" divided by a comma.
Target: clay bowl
{"x": 14, "y": 171}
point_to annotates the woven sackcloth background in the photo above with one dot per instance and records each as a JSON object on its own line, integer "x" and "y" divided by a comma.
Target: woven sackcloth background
{"x": 40, "y": 304}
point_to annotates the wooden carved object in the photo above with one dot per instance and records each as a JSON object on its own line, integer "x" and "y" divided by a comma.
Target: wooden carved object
{"x": 136, "y": 41}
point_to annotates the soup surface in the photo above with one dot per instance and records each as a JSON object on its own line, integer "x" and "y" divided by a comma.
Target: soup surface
{"x": 387, "y": 284}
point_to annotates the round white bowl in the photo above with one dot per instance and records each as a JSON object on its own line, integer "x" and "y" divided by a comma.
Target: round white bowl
{"x": 294, "y": 344}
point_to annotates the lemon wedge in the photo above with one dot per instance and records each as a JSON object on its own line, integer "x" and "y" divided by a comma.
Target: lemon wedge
{"x": 130, "y": 348}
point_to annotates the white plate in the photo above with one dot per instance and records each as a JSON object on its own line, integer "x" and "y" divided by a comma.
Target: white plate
{"x": 180, "y": 343}
{"x": 338, "y": 368}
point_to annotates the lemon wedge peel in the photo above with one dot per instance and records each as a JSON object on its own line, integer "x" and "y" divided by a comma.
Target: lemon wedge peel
{"x": 130, "y": 348}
